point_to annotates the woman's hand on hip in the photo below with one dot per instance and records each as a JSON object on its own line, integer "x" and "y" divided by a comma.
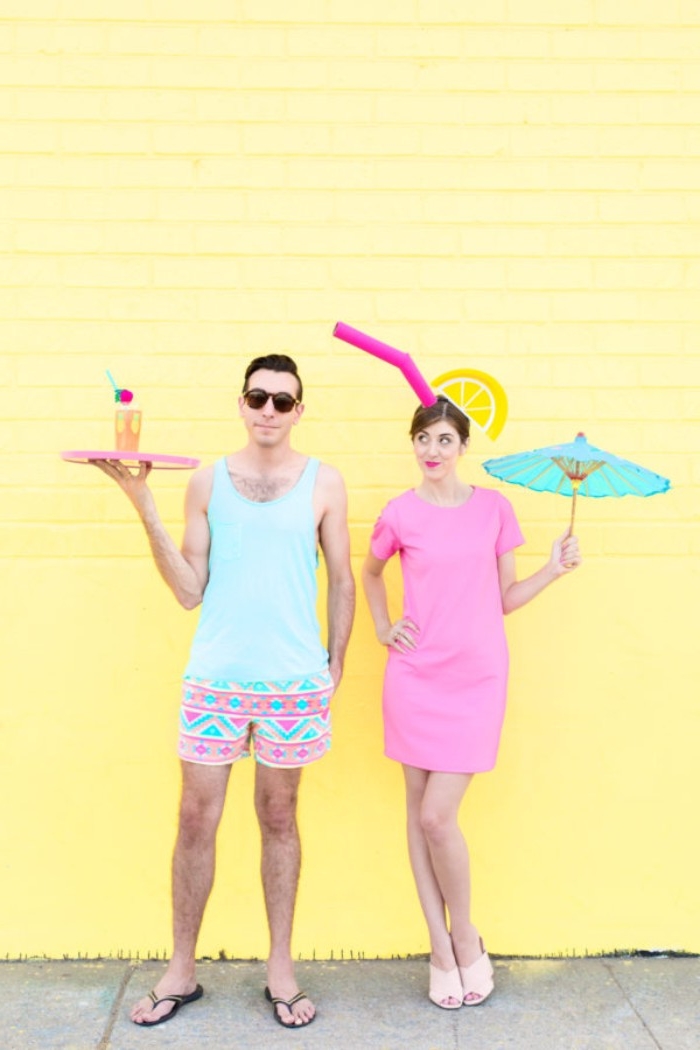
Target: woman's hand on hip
{"x": 401, "y": 636}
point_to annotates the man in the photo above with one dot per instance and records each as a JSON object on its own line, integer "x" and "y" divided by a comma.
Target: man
{"x": 258, "y": 677}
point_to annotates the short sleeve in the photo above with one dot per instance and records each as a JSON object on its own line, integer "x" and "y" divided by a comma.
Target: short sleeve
{"x": 385, "y": 540}
{"x": 509, "y": 534}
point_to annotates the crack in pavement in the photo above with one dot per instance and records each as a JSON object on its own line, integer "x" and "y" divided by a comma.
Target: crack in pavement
{"x": 106, "y": 1039}
{"x": 636, "y": 1011}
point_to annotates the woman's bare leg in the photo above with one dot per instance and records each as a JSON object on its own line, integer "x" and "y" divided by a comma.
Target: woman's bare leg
{"x": 449, "y": 858}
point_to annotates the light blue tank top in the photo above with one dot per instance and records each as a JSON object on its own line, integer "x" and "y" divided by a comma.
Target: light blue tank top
{"x": 258, "y": 619}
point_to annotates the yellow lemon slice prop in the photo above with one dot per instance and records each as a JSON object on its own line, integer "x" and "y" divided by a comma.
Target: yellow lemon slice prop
{"x": 479, "y": 395}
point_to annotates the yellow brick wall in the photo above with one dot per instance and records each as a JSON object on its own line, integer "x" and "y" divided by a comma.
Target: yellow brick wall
{"x": 513, "y": 186}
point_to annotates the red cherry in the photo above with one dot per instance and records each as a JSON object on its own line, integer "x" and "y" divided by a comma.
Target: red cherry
{"x": 125, "y": 396}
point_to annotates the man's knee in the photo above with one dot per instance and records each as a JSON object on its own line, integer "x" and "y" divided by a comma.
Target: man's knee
{"x": 200, "y": 814}
{"x": 276, "y": 808}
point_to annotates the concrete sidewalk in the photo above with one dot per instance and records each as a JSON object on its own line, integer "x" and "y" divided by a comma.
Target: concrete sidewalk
{"x": 596, "y": 1004}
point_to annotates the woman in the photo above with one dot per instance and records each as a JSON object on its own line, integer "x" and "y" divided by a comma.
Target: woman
{"x": 446, "y": 674}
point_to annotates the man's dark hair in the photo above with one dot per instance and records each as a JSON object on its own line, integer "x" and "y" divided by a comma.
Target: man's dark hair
{"x": 274, "y": 363}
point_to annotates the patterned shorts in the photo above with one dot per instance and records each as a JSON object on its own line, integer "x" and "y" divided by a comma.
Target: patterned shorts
{"x": 285, "y": 723}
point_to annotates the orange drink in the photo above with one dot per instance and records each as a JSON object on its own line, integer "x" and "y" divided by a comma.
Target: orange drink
{"x": 127, "y": 427}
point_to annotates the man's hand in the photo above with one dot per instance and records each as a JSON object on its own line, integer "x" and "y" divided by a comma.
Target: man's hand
{"x": 336, "y": 673}
{"x": 133, "y": 485}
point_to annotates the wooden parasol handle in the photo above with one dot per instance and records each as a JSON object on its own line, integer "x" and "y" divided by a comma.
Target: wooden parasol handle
{"x": 575, "y": 482}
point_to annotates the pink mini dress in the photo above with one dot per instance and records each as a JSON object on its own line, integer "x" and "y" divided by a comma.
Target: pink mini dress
{"x": 444, "y": 702}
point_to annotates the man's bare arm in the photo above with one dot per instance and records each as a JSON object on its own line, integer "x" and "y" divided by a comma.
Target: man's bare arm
{"x": 334, "y": 538}
{"x": 185, "y": 571}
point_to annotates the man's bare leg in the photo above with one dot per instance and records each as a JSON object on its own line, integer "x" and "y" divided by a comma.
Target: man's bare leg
{"x": 201, "y": 806}
{"x": 275, "y": 804}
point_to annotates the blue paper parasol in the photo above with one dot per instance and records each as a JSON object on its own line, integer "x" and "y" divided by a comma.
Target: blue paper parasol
{"x": 576, "y": 468}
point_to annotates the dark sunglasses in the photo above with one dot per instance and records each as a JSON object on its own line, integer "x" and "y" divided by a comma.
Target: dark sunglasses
{"x": 282, "y": 402}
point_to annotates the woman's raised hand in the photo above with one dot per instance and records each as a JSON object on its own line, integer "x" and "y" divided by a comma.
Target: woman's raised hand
{"x": 565, "y": 556}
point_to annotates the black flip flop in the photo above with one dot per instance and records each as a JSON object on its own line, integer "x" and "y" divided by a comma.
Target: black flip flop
{"x": 178, "y": 1000}
{"x": 289, "y": 1003}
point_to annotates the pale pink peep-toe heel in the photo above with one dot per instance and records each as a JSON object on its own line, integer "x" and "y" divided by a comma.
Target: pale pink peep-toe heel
{"x": 445, "y": 985}
{"x": 477, "y": 979}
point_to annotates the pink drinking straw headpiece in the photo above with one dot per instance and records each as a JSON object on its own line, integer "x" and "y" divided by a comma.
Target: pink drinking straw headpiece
{"x": 384, "y": 352}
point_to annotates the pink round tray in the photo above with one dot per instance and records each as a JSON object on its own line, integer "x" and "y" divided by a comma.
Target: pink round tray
{"x": 158, "y": 459}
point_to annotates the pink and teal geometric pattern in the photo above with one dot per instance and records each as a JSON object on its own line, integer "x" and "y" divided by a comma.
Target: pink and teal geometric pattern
{"x": 287, "y": 723}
